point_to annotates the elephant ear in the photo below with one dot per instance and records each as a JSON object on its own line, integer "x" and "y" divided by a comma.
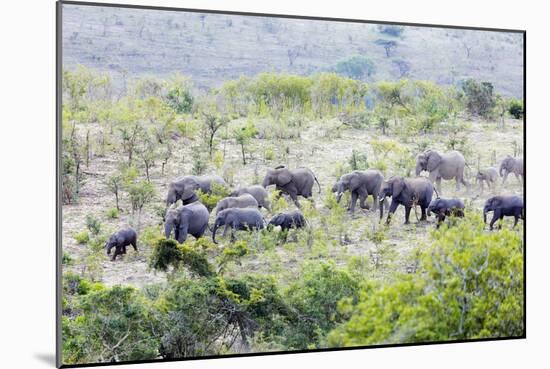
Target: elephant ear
{"x": 397, "y": 186}
{"x": 434, "y": 159}
{"x": 353, "y": 182}
{"x": 283, "y": 177}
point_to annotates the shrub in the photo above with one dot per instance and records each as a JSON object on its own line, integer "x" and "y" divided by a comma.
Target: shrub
{"x": 357, "y": 67}
{"x": 480, "y": 99}
{"x": 167, "y": 252}
{"x": 516, "y": 108}
{"x": 112, "y": 213}
{"x": 269, "y": 154}
{"x": 469, "y": 285}
{"x": 82, "y": 237}
{"x": 358, "y": 161}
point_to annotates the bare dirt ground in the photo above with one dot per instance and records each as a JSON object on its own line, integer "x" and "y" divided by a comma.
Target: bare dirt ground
{"x": 320, "y": 149}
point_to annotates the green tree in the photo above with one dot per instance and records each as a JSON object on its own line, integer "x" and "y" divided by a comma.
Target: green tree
{"x": 243, "y": 135}
{"x": 469, "y": 285}
{"x": 357, "y": 67}
{"x": 480, "y": 98}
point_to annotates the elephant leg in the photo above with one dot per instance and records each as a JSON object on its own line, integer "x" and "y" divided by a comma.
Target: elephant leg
{"x": 393, "y": 208}
{"x": 466, "y": 184}
{"x": 294, "y": 198}
{"x": 438, "y": 185}
{"x": 353, "y": 201}
{"x": 424, "y": 215}
{"x": 496, "y": 216}
{"x": 516, "y": 218}
{"x": 134, "y": 244}
{"x": 504, "y": 178}
{"x": 457, "y": 180}
{"x": 225, "y": 229}
{"x": 407, "y": 214}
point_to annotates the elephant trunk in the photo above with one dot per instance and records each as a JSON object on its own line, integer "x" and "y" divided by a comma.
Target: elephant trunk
{"x": 168, "y": 229}
{"x": 501, "y": 169}
{"x": 338, "y": 197}
{"x": 418, "y": 169}
{"x": 216, "y": 225}
{"x": 381, "y": 205}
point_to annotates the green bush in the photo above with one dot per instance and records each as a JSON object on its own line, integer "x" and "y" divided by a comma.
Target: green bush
{"x": 469, "y": 285}
{"x": 480, "y": 98}
{"x": 93, "y": 224}
{"x": 112, "y": 213}
{"x": 516, "y": 108}
{"x": 82, "y": 237}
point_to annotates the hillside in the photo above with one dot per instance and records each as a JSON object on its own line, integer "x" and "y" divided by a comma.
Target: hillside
{"x": 212, "y": 48}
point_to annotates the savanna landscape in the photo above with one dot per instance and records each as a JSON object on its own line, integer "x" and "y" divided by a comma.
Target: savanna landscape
{"x": 148, "y": 100}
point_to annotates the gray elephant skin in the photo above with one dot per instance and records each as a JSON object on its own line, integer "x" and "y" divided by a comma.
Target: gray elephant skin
{"x": 488, "y": 175}
{"x": 244, "y": 201}
{"x": 184, "y": 188}
{"x": 361, "y": 184}
{"x": 407, "y": 192}
{"x": 297, "y": 182}
{"x": 237, "y": 219}
{"x": 442, "y": 166}
{"x": 511, "y": 165}
{"x": 288, "y": 220}
{"x": 501, "y": 206}
{"x": 259, "y": 193}
{"x": 186, "y": 219}
{"x": 443, "y": 208}
{"x": 120, "y": 240}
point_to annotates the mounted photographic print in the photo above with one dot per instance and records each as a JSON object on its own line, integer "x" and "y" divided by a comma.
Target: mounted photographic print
{"x": 235, "y": 184}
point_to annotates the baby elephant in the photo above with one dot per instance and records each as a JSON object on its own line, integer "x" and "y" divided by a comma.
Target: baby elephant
{"x": 502, "y": 206}
{"x": 238, "y": 219}
{"x": 488, "y": 176}
{"x": 120, "y": 240}
{"x": 243, "y": 201}
{"x": 259, "y": 193}
{"x": 446, "y": 207}
{"x": 287, "y": 220}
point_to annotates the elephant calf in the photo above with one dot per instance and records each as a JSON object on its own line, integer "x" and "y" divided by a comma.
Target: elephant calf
{"x": 237, "y": 219}
{"x": 511, "y": 165}
{"x": 120, "y": 240}
{"x": 186, "y": 219}
{"x": 259, "y": 193}
{"x": 446, "y": 207}
{"x": 488, "y": 176}
{"x": 502, "y": 206}
{"x": 244, "y": 201}
{"x": 289, "y": 219}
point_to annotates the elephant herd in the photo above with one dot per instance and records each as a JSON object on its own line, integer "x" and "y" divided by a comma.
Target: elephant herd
{"x": 241, "y": 210}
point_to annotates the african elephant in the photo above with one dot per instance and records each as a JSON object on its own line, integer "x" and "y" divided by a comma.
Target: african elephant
{"x": 259, "y": 193}
{"x": 408, "y": 192}
{"x": 361, "y": 184}
{"x": 446, "y": 207}
{"x": 244, "y": 201}
{"x": 183, "y": 188}
{"x": 186, "y": 219}
{"x": 120, "y": 240}
{"x": 511, "y": 165}
{"x": 237, "y": 219}
{"x": 502, "y": 206}
{"x": 289, "y": 219}
{"x": 297, "y": 182}
{"x": 442, "y": 166}
{"x": 488, "y": 175}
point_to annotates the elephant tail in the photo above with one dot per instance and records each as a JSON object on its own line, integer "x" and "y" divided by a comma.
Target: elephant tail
{"x": 318, "y": 184}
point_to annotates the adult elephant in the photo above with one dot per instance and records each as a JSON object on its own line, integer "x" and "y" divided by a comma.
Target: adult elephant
{"x": 511, "y": 165}
{"x": 186, "y": 219}
{"x": 184, "y": 188}
{"x": 361, "y": 184}
{"x": 259, "y": 193}
{"x": 297, "y": 182}
{"x": 408, "y": 192}
{"x": 502, "y": 206}
{"x": 442, "y": 166}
